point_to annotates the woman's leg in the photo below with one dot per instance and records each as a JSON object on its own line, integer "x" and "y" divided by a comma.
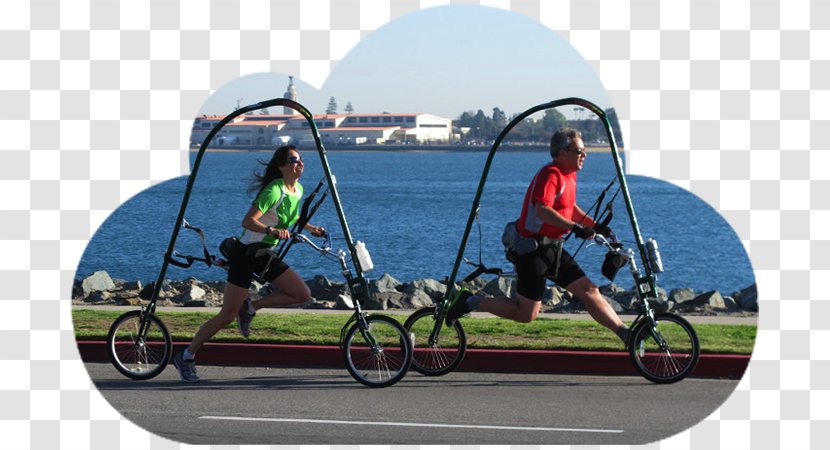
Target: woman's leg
{"x": 232, "y": 300}
{"x": 290, "y": 290}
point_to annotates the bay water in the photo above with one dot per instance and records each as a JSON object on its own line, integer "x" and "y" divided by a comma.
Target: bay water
{"x": 410, "y": 209}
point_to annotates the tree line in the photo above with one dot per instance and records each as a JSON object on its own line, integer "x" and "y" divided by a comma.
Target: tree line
{"x": 533, "y": 129}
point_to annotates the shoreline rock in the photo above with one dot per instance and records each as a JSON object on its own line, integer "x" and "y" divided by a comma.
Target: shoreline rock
{"x": 387, "y": 292}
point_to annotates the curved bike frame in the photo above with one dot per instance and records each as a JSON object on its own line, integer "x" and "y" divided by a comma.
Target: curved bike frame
{"x": 358, "y": 286}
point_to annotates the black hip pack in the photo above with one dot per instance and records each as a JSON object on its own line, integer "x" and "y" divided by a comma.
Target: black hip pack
{"x": 516, "y": 245}
{"x": 232, "y": 246}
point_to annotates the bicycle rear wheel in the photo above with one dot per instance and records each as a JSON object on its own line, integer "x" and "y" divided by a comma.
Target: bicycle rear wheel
{"x": 667, "y": 356}
{"x": 379, "y": 355}
{"x": 441, "y": 356}
{"x": 139, "y": 357}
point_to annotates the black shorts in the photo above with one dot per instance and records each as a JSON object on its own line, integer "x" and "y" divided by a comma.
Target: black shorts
{"x": 533, "y": 269}
{"x": 241, "y": 267}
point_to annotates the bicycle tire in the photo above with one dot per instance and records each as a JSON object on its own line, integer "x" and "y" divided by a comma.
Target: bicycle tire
{"x": 672, "y": 363}
{"x": 135, "y": 357}
{"x": 382, "y": 365}
{"x": 441, "y": 357}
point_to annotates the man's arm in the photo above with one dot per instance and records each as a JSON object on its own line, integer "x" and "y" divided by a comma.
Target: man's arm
{"x": 589, "y": 222}
{"x": 551, "y": 217}
{"x": 581, "y": 217}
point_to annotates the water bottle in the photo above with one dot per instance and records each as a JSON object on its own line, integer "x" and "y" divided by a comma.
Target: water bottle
{"x": 654, "y": 256}
{"x": 363, "y": 256}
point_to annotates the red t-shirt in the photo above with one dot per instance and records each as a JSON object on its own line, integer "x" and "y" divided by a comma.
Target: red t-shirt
{"x": 553, "y": 188}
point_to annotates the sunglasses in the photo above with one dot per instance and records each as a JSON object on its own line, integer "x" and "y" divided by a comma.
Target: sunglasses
{"x": 579, "y": 151}
{"x": 294, "y": 160}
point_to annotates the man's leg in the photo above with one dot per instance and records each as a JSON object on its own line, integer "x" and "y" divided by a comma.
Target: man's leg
{"x": 518, "y": 308}
{"x": 523, "y": 306}
{"x": 597, "y": 307}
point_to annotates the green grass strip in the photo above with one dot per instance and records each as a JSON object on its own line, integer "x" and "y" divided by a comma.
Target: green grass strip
{"x": 493, "y": 333}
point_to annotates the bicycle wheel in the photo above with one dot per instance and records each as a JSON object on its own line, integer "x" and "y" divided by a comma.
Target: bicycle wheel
{"x": 137, "y": 357}
{"x": 442, "y": 356}
{"x": 380, "y": 355}
{"x": 669, "y": 361}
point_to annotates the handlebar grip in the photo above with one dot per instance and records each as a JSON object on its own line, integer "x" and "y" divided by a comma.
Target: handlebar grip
{"x": 481, "y": 269}
{"x": 177, "y": 263}
{"x": 474, "y": 274}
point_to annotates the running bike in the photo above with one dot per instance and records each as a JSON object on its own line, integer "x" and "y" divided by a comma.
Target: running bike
{"x": 663, "y": 346}
{"x": 376, "y": 349}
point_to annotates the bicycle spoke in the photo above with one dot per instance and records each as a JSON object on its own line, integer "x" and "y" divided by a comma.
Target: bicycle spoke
{"x": 438, "y": 357}
{"x": 383, "y": 368}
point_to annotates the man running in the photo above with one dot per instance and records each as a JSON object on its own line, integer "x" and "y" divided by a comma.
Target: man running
{"x": 549, "y": 211}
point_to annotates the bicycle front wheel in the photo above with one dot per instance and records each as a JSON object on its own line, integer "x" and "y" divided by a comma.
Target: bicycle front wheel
{"x": 666, "y": 354}
{"x": 380, "y": 354}
{"x": 135, "y": 356}
{"x": 442, "y": 355}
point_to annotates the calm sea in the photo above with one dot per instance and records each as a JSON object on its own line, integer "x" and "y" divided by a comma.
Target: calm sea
{"x": 410, "y": 208}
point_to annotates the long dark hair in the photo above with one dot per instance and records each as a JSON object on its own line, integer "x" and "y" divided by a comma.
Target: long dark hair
{"x": 272, "y": 169}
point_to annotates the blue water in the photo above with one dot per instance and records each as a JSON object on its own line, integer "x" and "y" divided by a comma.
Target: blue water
{"x": 410, "y": 209}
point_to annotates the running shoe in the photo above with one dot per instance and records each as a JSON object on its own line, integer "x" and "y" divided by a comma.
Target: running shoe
{"x": 186, "y": 368}
{"x": 459, "y": 307}
{"x": 624, "y": 335}
{"x": 245, "y": 316}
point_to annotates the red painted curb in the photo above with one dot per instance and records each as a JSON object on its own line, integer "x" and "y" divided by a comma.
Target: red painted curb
{"x": 475, "y": 360}
{"x": 589, "y": 363}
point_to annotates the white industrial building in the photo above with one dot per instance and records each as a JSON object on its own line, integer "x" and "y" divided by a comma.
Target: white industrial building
{"x": 260, "y": 130}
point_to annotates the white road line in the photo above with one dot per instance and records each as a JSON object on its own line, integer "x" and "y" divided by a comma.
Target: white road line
{"x": 403, "y": 424}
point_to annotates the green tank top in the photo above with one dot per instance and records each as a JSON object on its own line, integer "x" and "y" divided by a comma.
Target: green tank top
{"x": 280, "y": 209}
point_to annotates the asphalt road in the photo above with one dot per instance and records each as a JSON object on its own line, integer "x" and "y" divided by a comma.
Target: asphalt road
{"x": 248, "y": 405}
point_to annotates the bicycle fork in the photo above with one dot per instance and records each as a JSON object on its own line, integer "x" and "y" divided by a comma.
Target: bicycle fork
{"x": 440, "y": 315}
{"x": 144, "y": 325}
{"x": 646, "y": 289}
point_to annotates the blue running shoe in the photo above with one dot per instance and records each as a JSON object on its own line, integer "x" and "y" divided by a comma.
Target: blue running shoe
{"x": 186, "y": 368}
{"x": 245, "y": 316}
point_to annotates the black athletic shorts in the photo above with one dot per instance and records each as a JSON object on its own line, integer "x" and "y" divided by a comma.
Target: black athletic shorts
{"x": 241, "y": 267}
{"x": 534, "y": 268}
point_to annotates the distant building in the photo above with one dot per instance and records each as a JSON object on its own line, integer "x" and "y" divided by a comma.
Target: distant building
{"x": 201, "y": 127}
{"x": 266, "y": 130}
{"x": 401, "y": 128}
{"x": 335, "y": 129}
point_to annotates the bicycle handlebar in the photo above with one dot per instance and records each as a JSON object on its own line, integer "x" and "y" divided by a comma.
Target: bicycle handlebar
{"x": 480, "y": 269}
{"x": 610, "y": 244}
{"x": 299, "y": 237}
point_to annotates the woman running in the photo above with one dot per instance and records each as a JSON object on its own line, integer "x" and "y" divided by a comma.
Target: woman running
{"x": 274, "y": 211}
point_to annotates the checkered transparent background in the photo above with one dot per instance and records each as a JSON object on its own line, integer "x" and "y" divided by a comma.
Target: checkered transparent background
{"x": 728, "y": 99}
